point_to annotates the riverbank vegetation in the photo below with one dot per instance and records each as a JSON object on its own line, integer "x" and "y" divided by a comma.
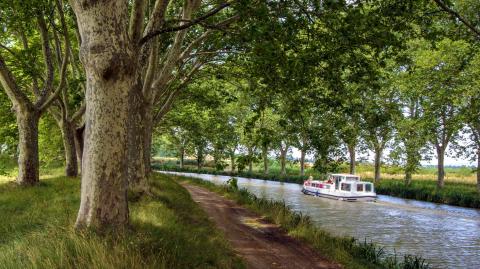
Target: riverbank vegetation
{"x": 459, "y": 190}
{"x": 349, "y": 252}
{"x": 167, "y": 229}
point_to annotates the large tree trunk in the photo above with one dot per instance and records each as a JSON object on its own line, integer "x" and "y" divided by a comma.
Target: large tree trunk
{"x": 136, "y": 134}
{"x": 440, "y": 167}
{"x": 147, "y": 142}
{"x": 302, "y": 162}
{"x": 352, "y": 153}
{"x": 28, "y": 162}
{"x": 378, "y": 164}
{"x": 79, "y": 134}
{"x": 111, "y": 69}
{"x": 68, "y": 134}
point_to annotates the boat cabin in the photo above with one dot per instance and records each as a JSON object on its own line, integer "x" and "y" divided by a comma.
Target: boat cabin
{"x": 348, "y": 183}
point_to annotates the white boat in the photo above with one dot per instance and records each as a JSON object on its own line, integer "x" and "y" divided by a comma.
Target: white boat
{"x": 343, "y": 187}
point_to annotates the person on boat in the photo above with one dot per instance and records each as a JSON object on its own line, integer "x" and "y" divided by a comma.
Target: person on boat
{"x": 310, "y": 178}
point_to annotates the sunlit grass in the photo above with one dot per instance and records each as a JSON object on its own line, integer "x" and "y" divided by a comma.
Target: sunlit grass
{"x": 168, "y": 230}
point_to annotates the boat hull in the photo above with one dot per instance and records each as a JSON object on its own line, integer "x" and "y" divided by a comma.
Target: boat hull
{"x": 360, "y": 198}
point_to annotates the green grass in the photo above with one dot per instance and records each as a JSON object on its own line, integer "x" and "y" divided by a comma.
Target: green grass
{"x": 459, "y": 194}
{"x": 168, "y": 230}
{"x": 345, "y": 250}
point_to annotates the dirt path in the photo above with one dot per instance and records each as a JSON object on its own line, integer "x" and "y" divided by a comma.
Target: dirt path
{"x": 261, "y": 244}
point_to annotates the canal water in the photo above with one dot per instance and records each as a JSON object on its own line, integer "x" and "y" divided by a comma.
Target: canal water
{"x": 446, "y": 236}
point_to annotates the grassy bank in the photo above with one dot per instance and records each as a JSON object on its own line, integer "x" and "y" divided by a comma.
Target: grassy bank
{"x": 459, "y": 194}
{"x": 168, "y": 230}
{"x": 347, "y": 251}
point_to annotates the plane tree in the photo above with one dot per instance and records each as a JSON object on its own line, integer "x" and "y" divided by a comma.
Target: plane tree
{"x": 410, "y": 125}
{"x": 32, "y": 88}
{"x": 441, "y": 71}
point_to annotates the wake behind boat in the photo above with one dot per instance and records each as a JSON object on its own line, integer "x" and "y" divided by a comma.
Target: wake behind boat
{"x": 345, "y": 187}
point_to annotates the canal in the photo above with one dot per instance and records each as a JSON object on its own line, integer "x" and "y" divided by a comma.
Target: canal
{"x": 446, "y": 236}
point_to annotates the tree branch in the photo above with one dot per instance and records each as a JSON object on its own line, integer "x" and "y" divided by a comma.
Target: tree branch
{"x": 45, "y": 103}
{"x": 184, "y": 26}
{"x": 10, "y": 85}
{"x": 136, "y": 20}
{"x": 169, "y": 101}
{"x": 455, "y": 14}
{"x": 47, "y": 54}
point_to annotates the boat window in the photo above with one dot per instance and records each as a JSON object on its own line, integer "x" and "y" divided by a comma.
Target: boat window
{"x": 352, "y": 178}
{"x": 359, "y": 187}
{"x": 327, "y": 186}
{"x": 368, "y": 187}
{"x": 345, "y": 187}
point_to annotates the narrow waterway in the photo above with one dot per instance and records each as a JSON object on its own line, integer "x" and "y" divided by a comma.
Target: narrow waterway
{"x": 446, "y": 236}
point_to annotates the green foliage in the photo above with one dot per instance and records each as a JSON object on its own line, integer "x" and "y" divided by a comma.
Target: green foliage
{"x": 168, "y": 230}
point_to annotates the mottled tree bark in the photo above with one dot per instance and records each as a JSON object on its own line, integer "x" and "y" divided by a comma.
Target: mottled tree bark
{"x": 28, "y": 160}
{"x": 110, "y": 64}
{"x": 147, "y": 140}
{"x": 136, "y": 133}
{"x": 352, "y": 153}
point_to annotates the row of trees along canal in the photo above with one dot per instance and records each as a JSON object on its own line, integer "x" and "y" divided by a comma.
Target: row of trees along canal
{"x": 288, "y": 73}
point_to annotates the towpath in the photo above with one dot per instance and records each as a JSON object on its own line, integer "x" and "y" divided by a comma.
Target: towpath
{"x": 262, "y": 244}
